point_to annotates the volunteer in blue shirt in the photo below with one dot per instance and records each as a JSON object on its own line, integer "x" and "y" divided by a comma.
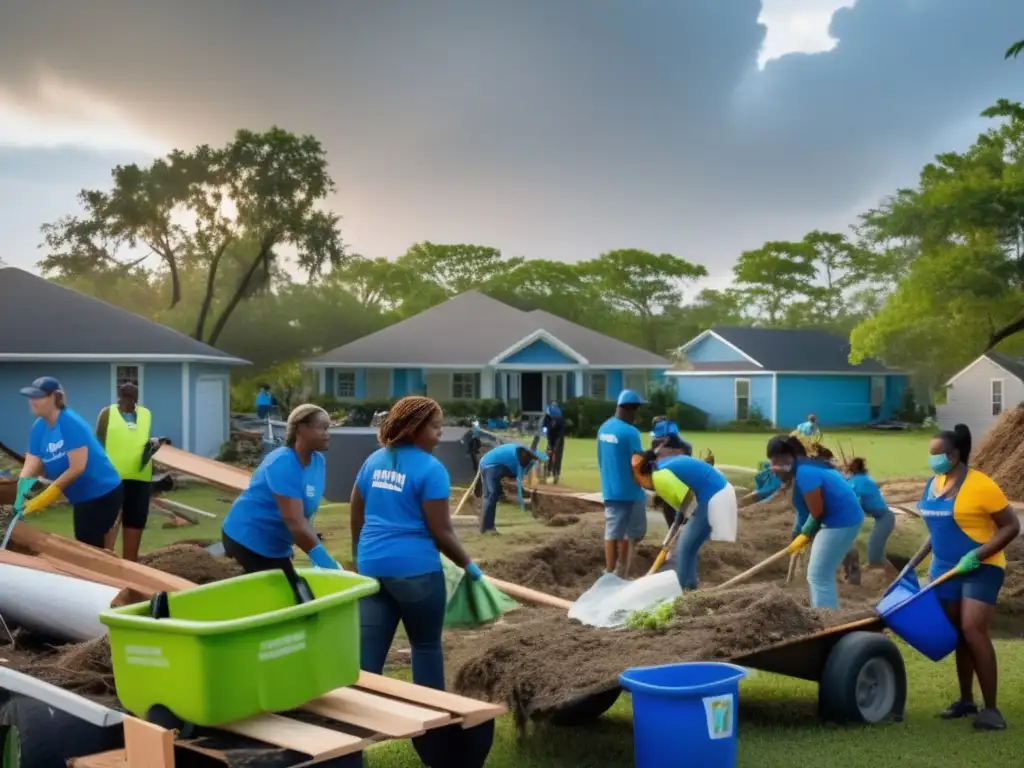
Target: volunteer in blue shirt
{"x": 809, "y": 428}
{"x": 662, "y": 427}
{"x": 63, "y": 448}
{"x": 554, "y": 426}
{"x": 508, "y": 460}
{"x": 766, "y": 485}
{"x": 874, "y": 506}
{"x": 673, "y": 474}
{"x": 625, "y": 504}
{"x": 274, "y": 514}
{"x": 401, "y": 525}
{"x": 264, "y": 402}
{"x": 827, "y": 511}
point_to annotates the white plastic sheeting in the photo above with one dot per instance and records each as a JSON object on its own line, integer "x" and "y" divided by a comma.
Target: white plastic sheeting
{"x": 611, "y": 600}
{"x": 55, "y": 605}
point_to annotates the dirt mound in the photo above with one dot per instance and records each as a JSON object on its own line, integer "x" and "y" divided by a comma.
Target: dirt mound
{"x": 538, "y": 664}
{"x": 82, "y": 668}
{"x": 548, "y": 503}
{"x": 192, "y": 562}
{"x": 1000, "y": 443}
{"x": 1010, "y": 474}
{"x": 561, "y": 521}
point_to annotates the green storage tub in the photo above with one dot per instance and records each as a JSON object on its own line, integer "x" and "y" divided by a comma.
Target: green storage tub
{"x": 240, "y": 647}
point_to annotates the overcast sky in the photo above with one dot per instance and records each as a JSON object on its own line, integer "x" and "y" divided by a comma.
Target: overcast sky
{"x": 549, "y": 128}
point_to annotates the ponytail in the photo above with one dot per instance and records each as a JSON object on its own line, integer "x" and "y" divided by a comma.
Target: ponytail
{"x": 958, "y": 438}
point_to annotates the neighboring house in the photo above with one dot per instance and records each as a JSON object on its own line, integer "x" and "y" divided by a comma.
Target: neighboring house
{"x": 91, "y": 347}
{"x": 473, "y": 346}
{"x": 978, "y": 395}
{"x": 783, "y": 375}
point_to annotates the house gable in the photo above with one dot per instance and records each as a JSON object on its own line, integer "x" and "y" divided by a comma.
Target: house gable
{"x": 711, "y": 349}
{"x": 538, "y": 352}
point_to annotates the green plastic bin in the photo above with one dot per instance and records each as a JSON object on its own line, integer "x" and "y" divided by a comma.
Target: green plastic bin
{"x": 240, "y": 647}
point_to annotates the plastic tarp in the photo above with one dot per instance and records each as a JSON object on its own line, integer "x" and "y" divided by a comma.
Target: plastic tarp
{"x": 611, "y": 601}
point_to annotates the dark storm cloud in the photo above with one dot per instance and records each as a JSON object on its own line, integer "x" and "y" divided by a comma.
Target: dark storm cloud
{"x": 551, "y": 129}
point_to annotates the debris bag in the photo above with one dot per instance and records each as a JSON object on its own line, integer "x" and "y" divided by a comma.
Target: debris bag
{"x": 472, "y": 603}
{"x": 611, "y": 601}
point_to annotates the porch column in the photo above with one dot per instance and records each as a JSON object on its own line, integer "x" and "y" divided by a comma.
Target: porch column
{"x": 487, "y": 384}
{"x": 577, "y": 383}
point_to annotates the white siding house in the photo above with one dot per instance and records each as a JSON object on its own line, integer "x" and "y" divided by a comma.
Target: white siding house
{"x": 979, "y": 394}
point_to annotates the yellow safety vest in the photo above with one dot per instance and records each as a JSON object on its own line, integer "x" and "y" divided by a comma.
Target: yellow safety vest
{"x": 126, "y": 442}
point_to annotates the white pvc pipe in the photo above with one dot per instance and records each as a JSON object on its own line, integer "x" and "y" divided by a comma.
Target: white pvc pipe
{"x": 58, "y": 606}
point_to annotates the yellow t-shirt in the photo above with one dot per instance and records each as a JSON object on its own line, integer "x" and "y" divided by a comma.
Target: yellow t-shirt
{"x": 978, "y": 499}
{"x": 669, "y": 487}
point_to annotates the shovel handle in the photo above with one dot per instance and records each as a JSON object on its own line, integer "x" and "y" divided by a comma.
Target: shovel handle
{"x": 930, "y": 585}
{"x": 466, "y": 495}
{"x": 751, "y": 572}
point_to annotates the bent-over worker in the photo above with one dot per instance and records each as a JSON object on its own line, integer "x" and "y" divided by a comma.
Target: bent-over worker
{"x": 63, "y": 448}
{"x": 275, "y": 513}
{"x": 673, "y": 475}
{"x": 874, "y": 506}
{"x": 766, "y": 485}
{"x": 401, "y": 525}
{"x": 625, "y": 503}
{"x": 554, "y": 426}
{"x": 970, "y": 523}
{"x": 827, "y": 510}
{"x": 123, "y": 430}
{"x": 507, "y": 460}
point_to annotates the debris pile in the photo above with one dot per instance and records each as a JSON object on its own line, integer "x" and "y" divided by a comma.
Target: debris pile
{"x": 191, "y": 561}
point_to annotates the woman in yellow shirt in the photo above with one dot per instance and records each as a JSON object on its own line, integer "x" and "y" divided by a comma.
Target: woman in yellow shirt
{"x": 970, "y": 523}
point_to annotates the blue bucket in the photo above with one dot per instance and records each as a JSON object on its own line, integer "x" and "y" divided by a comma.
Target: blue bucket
{"x": 918, "y": 618}
{"x": 684, "y": 712}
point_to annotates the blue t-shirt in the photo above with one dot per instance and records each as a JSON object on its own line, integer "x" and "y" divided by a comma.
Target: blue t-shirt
{"x": 841, "y": 507}
{"x": 69, "y": 433}
{"x": 255, "y": 521}
{"x": 697, "y": 475}
{"x": 617, "y": 441}
{"x": 264, "y": 399}
{"x": 504, "y": 456}
{"x": 808, "y": 429}
{"x": 395, "y": 541}
{"x": 553, "y": 412}
{"x": 867, "y": 493}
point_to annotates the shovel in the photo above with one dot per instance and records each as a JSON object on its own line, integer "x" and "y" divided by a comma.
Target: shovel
{"x": 467, "y": 494}
{"x": 670, "y": 537}
{"x": 751, "y": 572}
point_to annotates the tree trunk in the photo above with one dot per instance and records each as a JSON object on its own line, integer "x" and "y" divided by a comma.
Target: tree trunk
{"x": 211, "y": 280}
{"x": 240, "y": 290}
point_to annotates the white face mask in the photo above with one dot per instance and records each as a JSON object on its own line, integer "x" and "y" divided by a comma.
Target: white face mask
{"x": 781, "y": 468}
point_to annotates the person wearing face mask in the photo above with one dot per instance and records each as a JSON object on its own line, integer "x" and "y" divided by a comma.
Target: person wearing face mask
{"x": 827, "y": 512}
{"x": 970, "y": 523}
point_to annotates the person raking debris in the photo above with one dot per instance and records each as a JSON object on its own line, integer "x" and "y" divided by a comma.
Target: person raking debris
{"x": 970, "y": 524}
{"x": 874, "y": 506}
{"x": 625, "y": 503}
{"x": 766, "y": 485}
{"x": 508, "y": 460}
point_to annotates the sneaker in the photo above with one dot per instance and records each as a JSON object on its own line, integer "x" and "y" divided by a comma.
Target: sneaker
{"x": 989, "y": 719}
{"x": 959, "y": 709}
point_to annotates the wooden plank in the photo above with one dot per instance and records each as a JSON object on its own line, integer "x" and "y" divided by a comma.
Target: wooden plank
{"x": 115, "y": 758}
{"x": 86, "y": 574}
{"x": 319, "y": 743}
{"x": 216, "y": 473}
{"x": 472, "y": 712}
{"x": 147, "y": 745}
{"x": 396, "y": 719}
{"x": 530, "y": 595}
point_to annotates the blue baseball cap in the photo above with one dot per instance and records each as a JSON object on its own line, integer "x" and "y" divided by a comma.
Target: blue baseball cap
{"x": 664, "y": 429}
{"x": 629, "y": 397}
{"x": 42, "y": 387}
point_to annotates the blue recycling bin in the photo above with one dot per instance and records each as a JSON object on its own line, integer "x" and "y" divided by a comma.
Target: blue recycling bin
{"x": 917, "y": 617}
{"x": 684, "y": 714}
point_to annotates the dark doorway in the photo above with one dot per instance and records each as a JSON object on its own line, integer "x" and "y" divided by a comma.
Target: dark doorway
{"x": 531, "y": 390}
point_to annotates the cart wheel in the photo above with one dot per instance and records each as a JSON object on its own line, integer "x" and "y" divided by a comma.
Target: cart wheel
{"x": 585, "y": 709}
{"x": 160, "y": 715}
{"x": 864, "y": 680}
{"x": 455, "y": 747}
{"x": 34, "y": 735}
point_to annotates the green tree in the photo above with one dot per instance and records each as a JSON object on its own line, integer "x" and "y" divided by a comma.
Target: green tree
{"x": 195, "y": 210}
{"x": 775, "y": 277}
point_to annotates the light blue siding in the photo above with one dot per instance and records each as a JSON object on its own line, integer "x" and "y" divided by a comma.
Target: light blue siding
{"x": 614, "y": 384}
{"x": 161, "y": 393}
{"x": 538, "y": 353}
{"x": 716, "y": 395}
{"x": 711, "y": 350}
{"x": 835, "y": 400}
{"x": 895, "y": 386}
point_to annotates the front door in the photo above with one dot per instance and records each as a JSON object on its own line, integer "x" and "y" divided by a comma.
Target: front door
{"x": 532, "y": 390}
{"x": 554, "y": 387}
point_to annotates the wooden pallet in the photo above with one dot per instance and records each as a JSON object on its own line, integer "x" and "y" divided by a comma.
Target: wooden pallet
{"x": 348, "y": 721}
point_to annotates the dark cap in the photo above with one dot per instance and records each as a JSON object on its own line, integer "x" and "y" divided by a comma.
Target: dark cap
{"x": 42, "y": 387}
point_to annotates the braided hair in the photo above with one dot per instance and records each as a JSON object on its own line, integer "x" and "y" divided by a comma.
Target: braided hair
{"x": 301, "y": 414}
{"x": 406, "y": 419}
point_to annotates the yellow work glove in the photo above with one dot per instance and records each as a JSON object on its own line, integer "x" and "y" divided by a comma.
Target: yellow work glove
{"x": 799, "y": 544}
{"x": 47, "y": 498}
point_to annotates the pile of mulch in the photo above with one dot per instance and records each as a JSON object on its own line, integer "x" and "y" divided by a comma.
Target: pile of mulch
{"x": 561, "y": 521}
{"x": 82, "y": 668}
{"x": 1000, "y": 442}
{"x": 191, "y": 561}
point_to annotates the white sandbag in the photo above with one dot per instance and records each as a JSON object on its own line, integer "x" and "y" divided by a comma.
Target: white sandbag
{"x": 612, "y": 600}
{"x": 723, "y": 515}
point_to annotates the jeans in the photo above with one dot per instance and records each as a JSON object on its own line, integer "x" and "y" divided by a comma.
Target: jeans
{"x": 885, "y": 521}
{"x": 419, "y": 602}
{"x": 491, "y": 478}
{"x": 691, "y": 538}
{"x": 828, "y": 549}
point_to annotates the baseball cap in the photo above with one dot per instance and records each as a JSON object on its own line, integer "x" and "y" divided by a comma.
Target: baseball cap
{"x": 42, "y": 387}
{"x": 629, "y": 397}
{"x": 664, "y": 429}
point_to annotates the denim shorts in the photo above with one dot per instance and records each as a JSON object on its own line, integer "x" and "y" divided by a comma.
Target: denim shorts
{"x": 982, "y": 584}
{"x": 625, "y": 520}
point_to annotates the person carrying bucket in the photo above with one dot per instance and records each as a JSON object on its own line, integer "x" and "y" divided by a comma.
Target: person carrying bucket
{"x": 970, "y": 523}
{"x": 625, "y": 503}
{"x": 672, "y": 474}
{"x": 874, "y": 506}
{"x": 827, "y": 511}
{"x": 507, "y": 460}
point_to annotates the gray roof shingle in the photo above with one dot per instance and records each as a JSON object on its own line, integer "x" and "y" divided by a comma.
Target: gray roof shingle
{"x": 52, "y": 320}
{"x": 470, "y": 330}
{"x": 1014, "y": 365}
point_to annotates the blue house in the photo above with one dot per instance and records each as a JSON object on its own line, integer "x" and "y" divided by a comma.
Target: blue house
{"x": 783, "y": 375}
{"x": 91, "y": 347}
{"x": 473, "y": 346}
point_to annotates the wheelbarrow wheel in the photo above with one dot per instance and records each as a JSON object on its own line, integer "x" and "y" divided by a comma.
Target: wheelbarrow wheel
{"x": 35, "y": 735}
{"x": 160, "y": 715}
{"x": 585, "y": 709}
{"x": 455, "y": 747}
{"x": 864, "y": 681}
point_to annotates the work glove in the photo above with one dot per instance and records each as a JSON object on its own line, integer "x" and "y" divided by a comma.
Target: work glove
{"x": 474, "y": 572}
{"x": 318, "y": 556}
{"x": 24, "y": 486}
{"x": 799, "y": 544}
{"x": 968, "y": 562}
{"x": 48, "y": 497}
{"x": 810, "y": 527}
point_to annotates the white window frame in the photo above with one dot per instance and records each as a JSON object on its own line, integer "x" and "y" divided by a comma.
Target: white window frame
{"x": 465, "y": 375}
{"x": 736, "y": 398}
{"x": 140, "y": 367}
{"x": 642, "y": 375}
{"x": 603, "y": 395}
{"x": 337, "y": 385}
{"x": 992, "y": 396}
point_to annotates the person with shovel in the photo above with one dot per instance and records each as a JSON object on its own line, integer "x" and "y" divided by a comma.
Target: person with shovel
{"x": 625, "y": 503}
{"x": 64, "y": 448}
{"x": 827, "y": 511}
{"x": 970, "y": 524}
{"x": 554, "y": 426}
{"x": 507, "y": 460}
{"x": 874, "y": 506}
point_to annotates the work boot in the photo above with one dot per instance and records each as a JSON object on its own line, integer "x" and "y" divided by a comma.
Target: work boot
{"x": 989, "y": 719}
{"x": 958, "y": 709}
